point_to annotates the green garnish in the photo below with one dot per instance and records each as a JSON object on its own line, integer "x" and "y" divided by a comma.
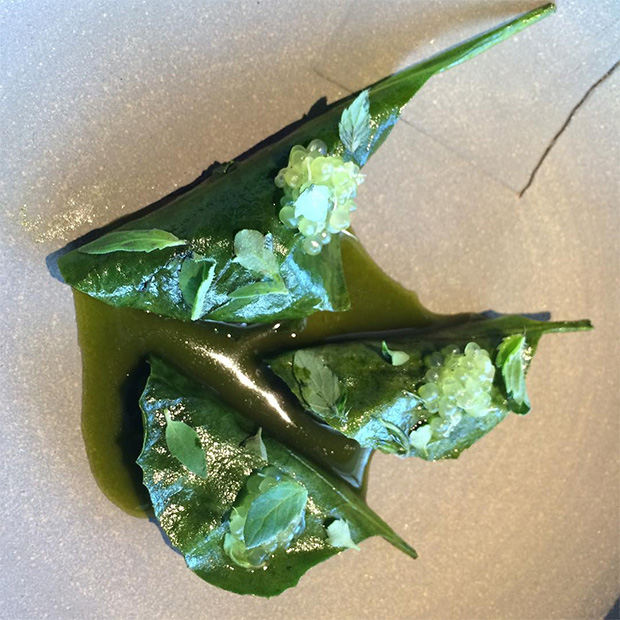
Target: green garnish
{"x": 184, "y": 444}
{"x": 396, "y": 358}
{"x": 512, "y": 360}
{"x": 339, "y": 535}
{"x": 276, "y": 510}
{"x": 195, "y": 280}
{"x": 256, "y": 444}
{"x": 318, "y": 385}
{"x": 354, "y": 128}
{"x": 132, "y": 241}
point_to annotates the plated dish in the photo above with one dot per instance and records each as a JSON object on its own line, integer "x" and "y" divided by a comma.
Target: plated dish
{"x": 278, "y": 355}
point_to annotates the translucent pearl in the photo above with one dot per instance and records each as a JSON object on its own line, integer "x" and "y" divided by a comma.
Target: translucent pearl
{"x": 307, "y": 227}
{"x": 325, "y": 237}
{"x": 451, "y": 349}
{"x": 292, "y": 178}
{"x": 322, "y": 169}
{"x": 311, "y": 246}
{"x": 472, "y": 348}
{"x": 287, "y": 217}
{"x": 317, "y": 146}
{"x": 428, "y": 392}
{"x": 339, "y": 220}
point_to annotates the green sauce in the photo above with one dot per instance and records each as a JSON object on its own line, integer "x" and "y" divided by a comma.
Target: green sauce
{"x": 116, "y": 341}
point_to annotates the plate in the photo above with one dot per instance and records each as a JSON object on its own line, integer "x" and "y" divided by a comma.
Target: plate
{"x": 110, "y": 106}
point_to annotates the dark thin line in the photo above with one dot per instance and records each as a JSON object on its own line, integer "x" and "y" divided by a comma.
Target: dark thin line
{"x": 565, "y": 125}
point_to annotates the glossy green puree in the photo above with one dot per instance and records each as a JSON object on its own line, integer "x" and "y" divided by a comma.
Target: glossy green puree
{"x": 116, "y": 341}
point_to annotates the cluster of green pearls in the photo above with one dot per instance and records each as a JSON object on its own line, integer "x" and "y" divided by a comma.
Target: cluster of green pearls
{"x": 234, "y": 542}
{"x": 457, "y": 385}
{"x": 318, "y": 194}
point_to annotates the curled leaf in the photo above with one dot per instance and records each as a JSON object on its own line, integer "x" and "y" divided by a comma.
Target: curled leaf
{"x": 132, "y": 241}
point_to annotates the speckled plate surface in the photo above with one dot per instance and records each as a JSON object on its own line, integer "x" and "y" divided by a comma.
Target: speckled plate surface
{"x": 108, "y": 106}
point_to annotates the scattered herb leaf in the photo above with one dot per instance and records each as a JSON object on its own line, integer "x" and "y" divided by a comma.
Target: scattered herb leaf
{"x": 273, "y": 511}
{"x": 132, "y": 241}
{"x": 254, "y": 251}
{"x": 255, "y": 444}
{"x": 184, "y": 444}
{"x": 319, "y": 386}
{"x": 339, "y": 535}
{"x": 396, "y": 358}
{"x": 354, "y": 127}
{"x": 420, "y": 437}
{"x": 259, "y": 288}
{"x": 511, "y": 360}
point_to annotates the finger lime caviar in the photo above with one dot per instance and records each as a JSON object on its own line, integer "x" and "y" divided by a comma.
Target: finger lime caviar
{"x": 456, "y": 385}
{"x": 318, "y": 194}
{"x": 277, "y": 503}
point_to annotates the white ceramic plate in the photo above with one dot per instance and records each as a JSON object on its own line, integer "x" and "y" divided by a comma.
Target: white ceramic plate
{"x": 108, "y": 106}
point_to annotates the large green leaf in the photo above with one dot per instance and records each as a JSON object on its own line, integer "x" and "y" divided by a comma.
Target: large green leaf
{"x": 382, "y": 402}
{"x": 193, "y": 511}
{"x": 244, "y": 197}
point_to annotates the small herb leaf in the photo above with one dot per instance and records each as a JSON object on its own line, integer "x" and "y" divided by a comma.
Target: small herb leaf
{"x": 259, "y": 288}
{"x": 254, "y": 251}
{"x": 184, "y": 444}
{"x": 132, "y": 241}
{"x": 256, "y": 445}
{"x": 420, "y": 437}
{"x": 201, "y": 306}
{"x": 319, "y": 386}
{"x": 273, "y": 511}
{"x": 354, "y": 127}
{"x": 396, "y": 358}
{"x": 510, "y": 360}
{"x": 339, "y": 535}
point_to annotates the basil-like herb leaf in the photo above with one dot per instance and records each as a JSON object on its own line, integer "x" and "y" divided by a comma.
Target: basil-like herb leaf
{"x": 273, "y": 511}
{"x": 511, "y": 360}
{"x": 184, "y": 444}
{"x": 339, "y": 535}
{"x": 354, "y": 127}
{"x": 385, "y": 409}
{"x": 194, "y": 511}
{"x": 195, "y": 280}
{"x": 210, "y": 214}
{"x": 255, "y": 252}
{"x": 318, "y": 385}
{"x": 259, "y": 288}
{"x": 132, "y": 241}
{"x": 256, "y": 445}
{"x": 396, "y": 358}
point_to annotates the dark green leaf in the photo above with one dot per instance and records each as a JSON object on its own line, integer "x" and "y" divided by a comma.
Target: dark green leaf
{"x": 210, "y": 215}
{"x": 192, "y": 510}
{"x": 184, "y": 444}
{"x": 273, "y": 511}
{"x": 384, "y": 409}
{"x": 132, "y": 241}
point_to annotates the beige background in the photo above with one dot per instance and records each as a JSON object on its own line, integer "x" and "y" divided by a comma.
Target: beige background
{"x": 108, "y": 106}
